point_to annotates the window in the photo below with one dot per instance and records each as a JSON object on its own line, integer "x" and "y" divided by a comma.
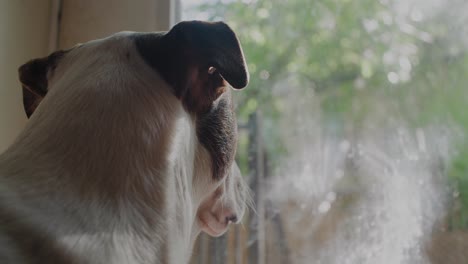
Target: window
{"x": 353, "y": 131}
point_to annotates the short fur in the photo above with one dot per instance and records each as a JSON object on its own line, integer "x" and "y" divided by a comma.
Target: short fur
{"x": 129, "y": 151}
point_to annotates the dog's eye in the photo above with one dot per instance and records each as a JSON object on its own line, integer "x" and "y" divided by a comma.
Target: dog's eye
{"x": 211, "y": 70}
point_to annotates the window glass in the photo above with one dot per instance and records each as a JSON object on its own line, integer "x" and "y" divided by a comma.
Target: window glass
{"x": 359, "y": 110}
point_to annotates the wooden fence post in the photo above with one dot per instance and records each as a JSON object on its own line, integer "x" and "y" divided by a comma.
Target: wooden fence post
{"x": 256, "y": 241}
{"x": 218, "y": 249}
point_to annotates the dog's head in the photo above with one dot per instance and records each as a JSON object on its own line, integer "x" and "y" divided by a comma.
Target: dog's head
{"x": 197, "y": 61}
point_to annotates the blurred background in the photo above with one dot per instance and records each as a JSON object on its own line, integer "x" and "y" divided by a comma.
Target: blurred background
{"x": 355, "y": 122}
{"x": 353, "y": 128}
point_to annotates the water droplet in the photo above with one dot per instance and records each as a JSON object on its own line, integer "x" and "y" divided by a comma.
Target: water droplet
{"x": 263, "y": 13}
{"x": 331, "y": 196}
{"x": 264, "y": 75}
{"x": 324, "y": 207}
{"x": 393, "y": 77}
{"x": 344, "y": 146}
{"x": 416, "y": 16}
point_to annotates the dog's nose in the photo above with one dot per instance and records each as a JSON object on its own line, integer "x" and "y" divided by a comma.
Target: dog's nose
{"x": 232, "y": 218}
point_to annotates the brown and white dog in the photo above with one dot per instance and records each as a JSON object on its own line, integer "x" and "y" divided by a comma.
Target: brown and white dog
{"x": 129, "y": 151}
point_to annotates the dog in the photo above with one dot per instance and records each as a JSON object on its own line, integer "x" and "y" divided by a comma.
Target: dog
{"x": 128, "y": 154}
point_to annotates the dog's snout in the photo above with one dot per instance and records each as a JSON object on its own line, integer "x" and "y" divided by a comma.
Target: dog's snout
{"x": 231, "y": 218}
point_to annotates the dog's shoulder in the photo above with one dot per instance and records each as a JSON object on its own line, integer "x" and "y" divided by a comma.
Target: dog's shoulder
{"x": 21, "y": 242}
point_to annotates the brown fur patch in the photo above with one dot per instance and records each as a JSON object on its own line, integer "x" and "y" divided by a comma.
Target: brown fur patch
{"x": 33, "y": 77}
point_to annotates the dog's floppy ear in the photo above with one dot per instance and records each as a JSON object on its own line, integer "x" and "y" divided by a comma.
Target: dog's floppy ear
{"x": 214, "y": 45}
{"x": 33, "y": 77}
{"x": 197, "y": 59}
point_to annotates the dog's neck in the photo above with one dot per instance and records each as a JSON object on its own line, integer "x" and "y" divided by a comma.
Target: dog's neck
{"x": 122, "y": 172}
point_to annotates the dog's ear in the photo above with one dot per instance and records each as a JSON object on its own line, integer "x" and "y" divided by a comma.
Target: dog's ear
{"x": 215, "y": 47}
{"x": 197, "y": 59}
{"x": 33, "y": 76}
